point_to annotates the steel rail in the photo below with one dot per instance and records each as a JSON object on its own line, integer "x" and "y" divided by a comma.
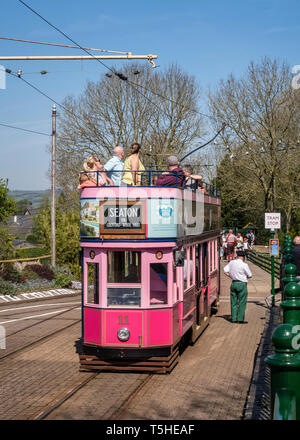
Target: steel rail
{"x": 43, "y": 338}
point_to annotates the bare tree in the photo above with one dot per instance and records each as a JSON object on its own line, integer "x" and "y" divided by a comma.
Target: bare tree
{"x": 157, "y": 109}
{"x": 262, "y": 112}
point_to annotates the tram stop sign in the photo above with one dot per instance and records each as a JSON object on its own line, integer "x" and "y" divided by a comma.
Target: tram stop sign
{"x": 272, "y": 220}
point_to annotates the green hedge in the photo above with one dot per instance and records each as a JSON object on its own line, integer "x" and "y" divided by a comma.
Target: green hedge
{"x": 30, "y": 252}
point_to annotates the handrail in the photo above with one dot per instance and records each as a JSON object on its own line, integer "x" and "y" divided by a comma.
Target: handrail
{"x": 264, "y": 262}
{"x": 25, "y": 259}
{"x": 149, "y": 175}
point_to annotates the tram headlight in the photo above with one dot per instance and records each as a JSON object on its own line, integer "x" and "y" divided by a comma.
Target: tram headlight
{"x": 123, "y": 334}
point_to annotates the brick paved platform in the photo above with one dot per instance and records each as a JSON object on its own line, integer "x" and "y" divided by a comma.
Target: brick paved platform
{"x": 213, "y": 378}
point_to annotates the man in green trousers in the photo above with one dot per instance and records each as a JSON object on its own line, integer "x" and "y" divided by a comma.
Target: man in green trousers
{"x": 239, "y": 272}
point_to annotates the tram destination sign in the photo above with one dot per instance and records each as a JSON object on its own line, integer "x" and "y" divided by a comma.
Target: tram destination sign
{"x": 119, "y": 217}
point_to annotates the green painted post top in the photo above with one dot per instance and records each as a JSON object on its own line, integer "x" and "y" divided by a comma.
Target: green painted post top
{"x": 290, "y": 268}
{"x": 288, "y": 239}
{"x": 286, "y": 341}
{"x": 290, "y": 271}
{"x": 288, "y": 248}
{"x": 292, "y": 290}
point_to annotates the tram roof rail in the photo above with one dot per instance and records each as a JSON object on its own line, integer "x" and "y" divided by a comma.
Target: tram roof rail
{"x": 149, "y": 177}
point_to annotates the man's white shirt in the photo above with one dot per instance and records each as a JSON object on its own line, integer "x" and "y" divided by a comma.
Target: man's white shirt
{"x": 238, "y": 270}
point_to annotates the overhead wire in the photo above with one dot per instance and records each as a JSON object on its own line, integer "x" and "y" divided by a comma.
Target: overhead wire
{"x": 121, "y": 76}
{"x": 33, "y": 131}
{"x": 62, "y": 45}
{"x": 24, "y": 129}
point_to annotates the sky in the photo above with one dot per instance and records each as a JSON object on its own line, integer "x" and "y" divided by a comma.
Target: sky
{"x": 207, "y": 39}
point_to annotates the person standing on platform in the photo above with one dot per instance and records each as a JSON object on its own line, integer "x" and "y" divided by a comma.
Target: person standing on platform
{"x": 230, "y": 240}
{"x": 239, "y": 272}
{"x": 246, "y": 248}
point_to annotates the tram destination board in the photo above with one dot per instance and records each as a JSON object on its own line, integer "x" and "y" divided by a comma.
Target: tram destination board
{"x": 119, "y": 219}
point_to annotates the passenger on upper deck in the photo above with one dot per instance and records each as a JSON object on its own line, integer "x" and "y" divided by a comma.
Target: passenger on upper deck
{"x": 115, "y": 165}
{"x": 92, "y": 165}
{"x": 133, "y": 164}
{"x": 84, "y": 180}
{"x": 190, "y": 176}
{"x": 173, "y": 177}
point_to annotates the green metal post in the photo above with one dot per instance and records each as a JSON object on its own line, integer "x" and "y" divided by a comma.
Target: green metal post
{"x": 290, "y": 271}
{"x": 285, "y": 373}
{"x": 291, "y": 305}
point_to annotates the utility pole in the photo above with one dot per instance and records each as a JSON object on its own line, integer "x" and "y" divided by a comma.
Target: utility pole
{"x": 53, "y": 241}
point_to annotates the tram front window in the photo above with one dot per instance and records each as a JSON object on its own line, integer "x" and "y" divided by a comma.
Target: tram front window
{"x": 123, "y": 268}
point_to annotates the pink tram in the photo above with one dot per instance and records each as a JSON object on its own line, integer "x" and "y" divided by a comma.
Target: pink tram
{"x": 150, "y": 265}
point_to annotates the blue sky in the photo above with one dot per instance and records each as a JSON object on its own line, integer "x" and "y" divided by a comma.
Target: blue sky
{"x": 208, "y": 39}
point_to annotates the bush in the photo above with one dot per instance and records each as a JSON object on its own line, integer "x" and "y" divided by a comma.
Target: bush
{"x": 42, "y": 271}
{"x": 7, "y": 288}
{"x": 63, "y": 277}
{"x": 10, "y": 273}
{"x": 30, "y": 252}
{"x": 28, "y": 273}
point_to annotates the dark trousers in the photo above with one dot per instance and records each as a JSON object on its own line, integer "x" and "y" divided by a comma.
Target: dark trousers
{"x": 238, "y": 300}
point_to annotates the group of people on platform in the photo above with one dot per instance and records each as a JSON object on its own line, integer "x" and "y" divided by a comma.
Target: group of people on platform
{"x": 116, "y": 172}
{"x": 231, "y": 244}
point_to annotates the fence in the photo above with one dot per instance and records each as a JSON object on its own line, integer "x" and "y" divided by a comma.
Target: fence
{"x": 263, "y": 260}
{"x": 20, "y": 260}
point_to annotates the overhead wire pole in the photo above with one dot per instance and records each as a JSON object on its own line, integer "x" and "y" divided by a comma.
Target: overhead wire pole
{"x": 53, "y": 195}
{"x": 129, "y": 56}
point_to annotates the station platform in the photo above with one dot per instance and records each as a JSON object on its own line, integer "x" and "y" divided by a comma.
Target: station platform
{"x": 215, "y": 378}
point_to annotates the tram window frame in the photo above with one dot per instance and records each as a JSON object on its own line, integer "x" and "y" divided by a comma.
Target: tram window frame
{"x": 189, "y": 279}
{"x": 119, "y": 291}
{"x": 92, "y": 289}
{"x": 122, "y": 263}
{"x": 166, "y": 282}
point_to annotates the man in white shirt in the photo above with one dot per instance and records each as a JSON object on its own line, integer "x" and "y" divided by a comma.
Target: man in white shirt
{"x": 115, "y": 165}
{"x": 239, "y": 272}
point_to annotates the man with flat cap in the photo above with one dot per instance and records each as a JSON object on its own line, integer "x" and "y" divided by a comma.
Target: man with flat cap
{"x": 239, "y": 272}
{"x": 173, "y": 177}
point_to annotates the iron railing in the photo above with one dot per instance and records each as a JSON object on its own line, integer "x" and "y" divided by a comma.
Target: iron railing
{"x": 263, "y": 260}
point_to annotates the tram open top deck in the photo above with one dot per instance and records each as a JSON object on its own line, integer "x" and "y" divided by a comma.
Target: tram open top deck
{"x": 148, "y": 213}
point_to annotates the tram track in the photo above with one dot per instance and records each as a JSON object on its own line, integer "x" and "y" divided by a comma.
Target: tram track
{"x": 43, "y": 338}
{"x": 108, "y": 415}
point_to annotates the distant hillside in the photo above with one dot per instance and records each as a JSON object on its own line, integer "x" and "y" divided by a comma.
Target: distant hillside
{"x": 35, "y": 197}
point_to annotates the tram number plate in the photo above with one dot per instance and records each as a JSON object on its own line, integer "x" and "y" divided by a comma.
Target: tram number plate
{"x": 122, "y": 216}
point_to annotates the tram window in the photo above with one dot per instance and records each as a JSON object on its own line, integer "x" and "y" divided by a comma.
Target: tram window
{"x": 123, "y": 296}
{"x": 188, "y": 274}
{"x": 93, "y": 283}
{"x": 123, "y": 267}
{"x": 158, "y": 283}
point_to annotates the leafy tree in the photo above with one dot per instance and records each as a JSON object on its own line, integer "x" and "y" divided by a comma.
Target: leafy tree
{"x": 6, "y": 247}
{"x": 112, "y": 112}
{"x": 67, "y": 233}
{"x": 261, "y": 170}
{"x": 7, "y": 204}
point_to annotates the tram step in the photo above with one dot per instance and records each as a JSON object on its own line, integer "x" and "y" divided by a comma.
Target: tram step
{"x": 88, "y": 362}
